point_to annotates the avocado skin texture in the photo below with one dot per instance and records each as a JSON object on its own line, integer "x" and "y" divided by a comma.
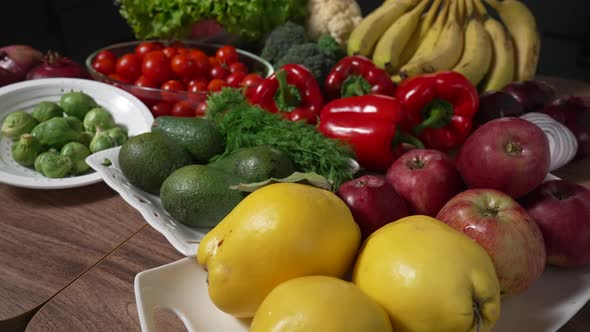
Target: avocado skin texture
{"x": 200, "y": 196}
{"x": 197, "y": 135}
{"x": 149, "y": 158}
{"x": 256, "y": 164}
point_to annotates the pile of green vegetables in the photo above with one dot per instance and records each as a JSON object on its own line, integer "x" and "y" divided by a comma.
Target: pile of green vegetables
{"x": 289, "y": 43}
{"x": 57, "y": 145}
{"x": 250, "y": 19}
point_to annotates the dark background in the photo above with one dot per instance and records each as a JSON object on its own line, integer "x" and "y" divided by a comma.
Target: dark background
{"x": 78, "y": 27}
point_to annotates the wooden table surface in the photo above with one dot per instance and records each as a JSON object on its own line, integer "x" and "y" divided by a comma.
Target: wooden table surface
{"x": 49, "y": 238}
{"x": 57, "y": 236}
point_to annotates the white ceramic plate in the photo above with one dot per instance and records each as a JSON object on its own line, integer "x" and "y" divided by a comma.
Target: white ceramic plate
{"x": 183, "y": 238}
{"x": 181, "y": 288}
{"x": 127, "y": 111}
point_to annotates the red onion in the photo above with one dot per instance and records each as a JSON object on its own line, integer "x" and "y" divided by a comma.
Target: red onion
{"x": 55, "y": 65}
{"x": 7, "y": 77}
{"x": 18, "y": 59}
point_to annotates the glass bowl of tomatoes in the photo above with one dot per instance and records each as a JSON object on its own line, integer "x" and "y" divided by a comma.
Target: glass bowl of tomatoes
{"x": 175, "y": 77}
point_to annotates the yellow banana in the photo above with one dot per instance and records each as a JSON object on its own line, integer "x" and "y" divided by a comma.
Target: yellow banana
{"x": 446, "y": 52}
{"x": 419, "y": 34}
{"x": 501, "y": 70}
{"x": 477, "y": 53}
{"x": 523, "y": 28}
{"x": 428, "y": 42}
{"x": 480, "y": 9}
{"x": 460, "y": 10}
{"x": 363, "y": 38}
{"x": 389, "y": 48}
{"x": 469, "y": 8}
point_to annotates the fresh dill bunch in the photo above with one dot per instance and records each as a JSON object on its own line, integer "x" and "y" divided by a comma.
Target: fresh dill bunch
{"x": 246, "y": 125}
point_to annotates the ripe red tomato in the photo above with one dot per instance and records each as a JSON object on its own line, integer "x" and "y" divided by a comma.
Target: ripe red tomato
{"x": 201, "y": 82}
{"x": 118, "y": 78}
{"x": 129, "y": 67}
{"x": 170, "y": 52}
{"x": 251, "y": 80}
{"x": 215, "y": 85}
{"x": 197, "y": 53}
{"x": 182, "y": 50}
{"x": 161, "y": 109}
{"x": 183, "y": 66}
{"x": 177, "y": 44}
{"x": 238, "y": 67}
{"x": 172, "y": 85}
{"x": 219, "y": 72}
{"x": 183, "y": 108}
{"x": 105, "y": 54}
{"x": 213, "y": 61}
{"x": 234, "y": 80}
{"x": 145, "y": 82}
{"x": 201, "y": 109}
{"x": 104, "y": 66}
{"x": 201, "y": 63}
{"x": 197, "y": 92}
{"x": 227, "y": 55}
{"x": 156, "y": 67}
{"x": 144, "y": 48}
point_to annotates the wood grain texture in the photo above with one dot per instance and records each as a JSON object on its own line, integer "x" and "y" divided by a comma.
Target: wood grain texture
{"x": 103, "y": 299}
{"x": 49, "y": 237}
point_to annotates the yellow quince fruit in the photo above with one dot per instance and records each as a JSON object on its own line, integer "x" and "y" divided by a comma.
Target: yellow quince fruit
{"x": 319, "y": 303}
{"x": 279, "y": 232}
{"x": 429, "y": 277}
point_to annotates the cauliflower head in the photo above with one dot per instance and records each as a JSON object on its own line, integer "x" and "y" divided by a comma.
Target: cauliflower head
{"x": 336, "y": 18}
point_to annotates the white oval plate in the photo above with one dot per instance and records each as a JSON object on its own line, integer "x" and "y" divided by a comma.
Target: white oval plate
{"x": 127, "y": 111}
{"x": 181, "y": 287}
{"x": 183, "y": 238}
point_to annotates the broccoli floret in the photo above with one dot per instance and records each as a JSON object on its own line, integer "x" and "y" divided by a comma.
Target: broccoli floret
{"x": 312, "y": 57}
{"x": 330, "y": 46}
{"x": 281, "y": 39}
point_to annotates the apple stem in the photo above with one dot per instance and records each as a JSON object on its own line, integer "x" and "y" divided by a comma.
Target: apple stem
{"x": 416, "y": 163}
{"x": 513, "y": 148}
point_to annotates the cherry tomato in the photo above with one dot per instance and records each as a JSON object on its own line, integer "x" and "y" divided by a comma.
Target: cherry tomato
{"x": 215, "y": 85}
{"x": 238, "y": 67}
{"x": 252, "y": 79}
{"x": 227, "y": 55}
{"x": 144, "y": 48}
{"x": 199, "y": 81}
{"x": 170, "y": 52}
{"x": 129, "y": 67}
{"x": 145, "y": 82}
{"x": 174, "y": 86}
{"x": 183, "y": 66}
{"x": 201, "y": 109}
{"x": 156, "y": 67}
{"x": 105, "y": 54}
{"x": 234, "y": 80}
{"x": 182, "y": 50}
{"x": 118, "y": 78}
{"x": 197, "y": 54}
{"x": 219, "y": 72}
{"x": 183, "y": 108}
{"x": 213, "y": 61}
{"x": 197, "y": 92}
{"x": 104, "y": 66}
{"x": 201, "y": 63}
{"x": 161, "y": 109}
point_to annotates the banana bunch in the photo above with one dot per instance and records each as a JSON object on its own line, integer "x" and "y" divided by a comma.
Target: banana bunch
{"x": 413, "y": 37}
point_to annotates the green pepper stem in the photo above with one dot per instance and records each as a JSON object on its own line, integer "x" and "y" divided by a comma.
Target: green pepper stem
{"x": 437, "y": 114}
{"x": 287, "y": 97}
{"x": 400, "y": 138}
{"x": 355, "y": 85}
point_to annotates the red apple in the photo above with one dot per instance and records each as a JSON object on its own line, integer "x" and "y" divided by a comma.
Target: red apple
{"x": 373, "y": 202}
{"x": 508, "y": 154}
{"x": 505, "y": 230}
{"x": 562, "y": 211}
{"x": 426, "y": 179}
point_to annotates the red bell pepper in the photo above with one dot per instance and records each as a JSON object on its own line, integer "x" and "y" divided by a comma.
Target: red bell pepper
{"x": 440, "y": 108}
{"x": 293, "y": 91}
{"x": 356, "y": 76}
{"x": 371, "y": 125}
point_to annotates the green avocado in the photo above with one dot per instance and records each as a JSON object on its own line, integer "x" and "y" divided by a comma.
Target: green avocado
{"x": 148, "y": 159}
{"x": 256, "y": 164}
{"x": 200, "y": 196}
{"x": 197, "y": 135}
